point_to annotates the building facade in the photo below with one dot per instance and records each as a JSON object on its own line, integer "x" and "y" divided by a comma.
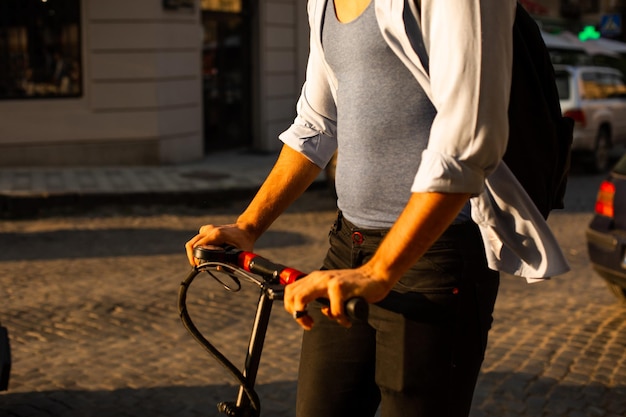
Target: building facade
{"x": 90, "y": 82}
{"x": 116, "y": 82}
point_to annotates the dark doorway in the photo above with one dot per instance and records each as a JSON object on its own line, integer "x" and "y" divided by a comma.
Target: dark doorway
{"x": 226, "y": 70}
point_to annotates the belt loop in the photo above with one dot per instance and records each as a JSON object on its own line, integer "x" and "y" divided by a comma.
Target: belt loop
{"x": 357, "y": 238}
{"x": 337, "y": 225}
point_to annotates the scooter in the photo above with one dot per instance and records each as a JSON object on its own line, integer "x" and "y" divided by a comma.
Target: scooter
{"x": 230, "y": 266}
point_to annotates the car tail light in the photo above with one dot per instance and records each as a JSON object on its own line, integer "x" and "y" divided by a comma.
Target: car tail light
{"x": 578, "y": 115}
{"x": 604, "y": 201}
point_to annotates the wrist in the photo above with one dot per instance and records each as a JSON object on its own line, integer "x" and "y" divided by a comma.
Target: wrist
{"x": 249, "y": 228}
{"x": 383, "y": 277}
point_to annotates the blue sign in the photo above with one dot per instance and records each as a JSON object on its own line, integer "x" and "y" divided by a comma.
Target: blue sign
{"x": 611, "y": 24}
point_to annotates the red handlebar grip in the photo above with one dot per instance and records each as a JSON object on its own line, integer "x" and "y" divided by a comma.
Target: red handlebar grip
{"x": 245, "y": 258}
{"x": 289, "y": 275}
{"x": 356, "y": 308}
{"x": 256, "y": 264}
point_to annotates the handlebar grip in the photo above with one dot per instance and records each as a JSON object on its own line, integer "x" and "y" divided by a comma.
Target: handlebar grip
{"x": 210, "y": 253}
{"x": 269, "y": 270}
{"x": 356, "y": 308}
{"x": 249, "y": 261}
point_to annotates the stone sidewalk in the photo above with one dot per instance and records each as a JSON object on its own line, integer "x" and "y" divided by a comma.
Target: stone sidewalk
{"x": 29, "y": 192}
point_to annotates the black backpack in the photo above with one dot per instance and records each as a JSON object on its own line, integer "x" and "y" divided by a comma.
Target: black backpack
{"x": 540, "y": 138}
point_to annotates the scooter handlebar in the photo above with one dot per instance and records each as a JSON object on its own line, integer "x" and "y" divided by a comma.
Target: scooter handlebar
{"x": 356, "y": 308}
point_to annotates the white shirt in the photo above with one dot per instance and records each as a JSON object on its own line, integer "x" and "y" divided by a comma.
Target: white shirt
{"x": 469, "y": 46}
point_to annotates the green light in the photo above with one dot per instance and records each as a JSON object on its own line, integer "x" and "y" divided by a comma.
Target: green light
{"x": 588, "y": 32}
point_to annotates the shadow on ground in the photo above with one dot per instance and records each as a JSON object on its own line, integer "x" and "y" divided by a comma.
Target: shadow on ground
{"x": 498, "y": 394}
{"x": 74, "y": 244}
{"x": 164, "y": 401}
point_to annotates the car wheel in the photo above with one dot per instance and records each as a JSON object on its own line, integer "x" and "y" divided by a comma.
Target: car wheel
{"x": 617, "y": 291}
{"x": 600, "y": 157}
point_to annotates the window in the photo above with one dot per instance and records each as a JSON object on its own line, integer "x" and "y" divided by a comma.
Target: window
{"x": 617, "y": 87}
{"x": 600, "y": 86}
{"x": 40, "y": 51}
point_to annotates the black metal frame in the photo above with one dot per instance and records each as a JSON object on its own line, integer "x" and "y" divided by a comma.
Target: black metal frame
{"x": 247, "y": 403}
{"x": 271, "y": 279}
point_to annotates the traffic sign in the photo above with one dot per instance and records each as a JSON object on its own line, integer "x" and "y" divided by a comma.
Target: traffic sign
{"x": 611, "y": 24}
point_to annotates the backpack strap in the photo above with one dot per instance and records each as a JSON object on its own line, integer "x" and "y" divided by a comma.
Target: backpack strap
{"x": 415, "y": 35}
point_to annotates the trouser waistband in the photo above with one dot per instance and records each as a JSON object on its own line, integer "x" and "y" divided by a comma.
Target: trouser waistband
{"x": 342, "y": 224}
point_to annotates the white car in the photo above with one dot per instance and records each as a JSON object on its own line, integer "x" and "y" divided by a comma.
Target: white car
{"x": 595, "y": 97}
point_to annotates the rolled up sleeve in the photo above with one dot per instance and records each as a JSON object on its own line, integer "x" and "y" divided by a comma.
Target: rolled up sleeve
{"x": 316, "y": 145}
{"x": 314, "y": 130}
{"x": 469, "y": 45}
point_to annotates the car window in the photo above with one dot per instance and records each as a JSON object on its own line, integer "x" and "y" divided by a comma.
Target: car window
{"x": 562, "y": 84}
{"x": 618, "y": 87}
{"x": 600, "y": 85}
{"x": 591, "y": 86}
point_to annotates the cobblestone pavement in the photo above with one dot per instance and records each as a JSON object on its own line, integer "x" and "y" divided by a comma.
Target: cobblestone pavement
{"x": 90, "y": 303}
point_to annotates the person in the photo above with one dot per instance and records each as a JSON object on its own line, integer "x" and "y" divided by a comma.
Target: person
{"x": 414, "y": 95}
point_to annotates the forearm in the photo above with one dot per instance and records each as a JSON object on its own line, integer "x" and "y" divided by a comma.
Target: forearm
{"x": 424, "y": 219}
{"x": 290, "y": 177}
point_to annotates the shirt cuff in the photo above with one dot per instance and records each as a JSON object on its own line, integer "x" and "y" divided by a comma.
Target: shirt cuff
{"x": 316, "y": 146}
{"x": 442, "y": 173}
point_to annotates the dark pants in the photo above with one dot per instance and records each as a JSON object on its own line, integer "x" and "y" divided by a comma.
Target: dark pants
{"x": 421, "y": 350}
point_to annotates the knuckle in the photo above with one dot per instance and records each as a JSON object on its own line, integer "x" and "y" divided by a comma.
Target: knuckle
{"x": 335, "y": 286}
{"x": 205, "y": 228}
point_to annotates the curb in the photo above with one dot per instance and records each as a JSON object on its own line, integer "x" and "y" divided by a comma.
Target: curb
{"x": 14, "y": 207}
{"x": 32, "y": 206}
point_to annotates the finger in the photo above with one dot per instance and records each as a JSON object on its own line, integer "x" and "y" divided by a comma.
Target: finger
{"x": 296, "y": 306}
{"x": 198, "y": 240}
{"x": 207, "y": 233}
{"x": 337, "y": 300}
{"x": 305, "y": 322}
{"x": 189, "y": 249}
{"x": 205, "y": 228}
{"x": 302, "y": 317}
{"x": 342, "y": 320}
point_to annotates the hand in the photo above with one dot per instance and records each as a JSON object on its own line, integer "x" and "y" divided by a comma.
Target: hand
{"x": 338, "y": 286}
{"x": 230, "y": 234}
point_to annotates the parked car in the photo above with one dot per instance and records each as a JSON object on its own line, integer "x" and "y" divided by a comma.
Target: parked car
{"x": 606, "y": 234}
{"x": 595, "y": 97}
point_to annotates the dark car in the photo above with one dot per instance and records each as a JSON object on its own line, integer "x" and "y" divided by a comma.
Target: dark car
{"x": 5, "y": 359}
{"x": 606, "y": 234}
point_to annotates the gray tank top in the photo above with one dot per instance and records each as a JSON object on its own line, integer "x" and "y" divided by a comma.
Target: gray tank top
{"x": 384, "y": 120}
